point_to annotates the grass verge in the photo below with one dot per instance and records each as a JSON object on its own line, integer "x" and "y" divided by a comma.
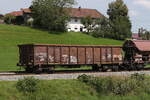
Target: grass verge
{"x": 78, "y": 90}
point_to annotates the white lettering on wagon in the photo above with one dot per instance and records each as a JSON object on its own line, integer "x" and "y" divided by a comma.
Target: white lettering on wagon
{"x": 51, "y": 58}
{"x": 40, "y": 56}
{"x": 109, "y": 56}
{"x": 117, "y": 57}
{"x": 65, "y": 59}
{"x": 73, "y": 59}
{"x": 89, "y": 60}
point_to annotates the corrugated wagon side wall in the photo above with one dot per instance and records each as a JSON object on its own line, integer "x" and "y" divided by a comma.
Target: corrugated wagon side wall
{"x": 76, "y": 55}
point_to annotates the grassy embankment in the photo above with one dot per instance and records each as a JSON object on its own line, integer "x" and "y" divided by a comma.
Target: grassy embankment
{"x": 11, "y": 36}
{"x": 74, "y": 90}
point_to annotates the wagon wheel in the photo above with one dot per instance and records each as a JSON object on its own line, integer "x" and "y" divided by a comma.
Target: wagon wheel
{"x": 105, "y": 68}
{"x": 37, "y": 69}
{"x": 139, "y": 66}
{"x": 115, "y": 68}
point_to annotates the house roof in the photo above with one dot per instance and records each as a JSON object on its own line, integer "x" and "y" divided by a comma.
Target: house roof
{"x": 16, "y": 13}
{"x": 141, "y": 45}
{"x": 82, "y": 12}
{"x": 26, "y": 10}
{"x": 77, "y": 12}
{"x": 135, "y": 35}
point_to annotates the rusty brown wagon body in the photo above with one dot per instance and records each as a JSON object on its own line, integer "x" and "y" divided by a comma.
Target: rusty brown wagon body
{"x": 49, "y": 55}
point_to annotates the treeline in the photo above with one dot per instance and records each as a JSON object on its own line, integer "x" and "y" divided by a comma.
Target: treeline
{"x": 144, "y": 34}
{"x": 116, "y": 26}
{"x": 53, "y": 15}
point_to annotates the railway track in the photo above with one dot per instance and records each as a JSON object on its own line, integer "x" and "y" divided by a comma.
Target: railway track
{"x": 16, "y": 75}
{"x": 61, "y": 72}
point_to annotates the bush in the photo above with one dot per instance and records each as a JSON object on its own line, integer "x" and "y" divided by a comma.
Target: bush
{"x": 124, "y": 87}
{"x": 137, "y": 76}
{"x": 103, "y": 85}
{"x": 84, "y": 78}
{"x": 103, "y": 29}
{"x": 27, "y": 85}
{"x": 135, "y": 84}
{"x": 9, "y": 19}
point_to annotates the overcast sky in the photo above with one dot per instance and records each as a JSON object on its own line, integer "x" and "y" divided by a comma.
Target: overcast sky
{"x": 138, "y": 9}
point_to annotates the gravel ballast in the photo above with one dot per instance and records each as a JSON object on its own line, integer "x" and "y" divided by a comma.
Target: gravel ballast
{"x": 69, "y": 75}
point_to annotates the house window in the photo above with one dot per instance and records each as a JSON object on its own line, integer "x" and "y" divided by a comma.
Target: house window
{"x": 76, "y": 20}
{"x": 81, "y": 29}
{"x": 75, "y": 28}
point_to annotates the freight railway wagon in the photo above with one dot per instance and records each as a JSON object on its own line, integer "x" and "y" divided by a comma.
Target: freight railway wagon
{"x": 38, "y": 57}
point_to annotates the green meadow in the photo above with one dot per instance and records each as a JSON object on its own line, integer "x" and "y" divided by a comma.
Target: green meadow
{"x": 11, "y": 36}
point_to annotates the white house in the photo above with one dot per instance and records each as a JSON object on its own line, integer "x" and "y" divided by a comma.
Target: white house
{"x": 77, "y": 14}
{"x": 75, "y": 25}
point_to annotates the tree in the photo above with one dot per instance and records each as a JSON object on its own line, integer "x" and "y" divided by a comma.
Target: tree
{"x": 103, "y": 28}
{"x": 51, "y": 14}
{"x": 147, "y": 35}
{"x": 118, "y": 15}
{"x": 89, "y": 23}
{"x": 9, "y": 19}
{"x": 144, "y": 34}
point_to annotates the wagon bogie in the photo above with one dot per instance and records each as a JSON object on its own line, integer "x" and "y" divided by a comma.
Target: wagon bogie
{"x": 116, "y": 68}
{"x": 139, "y": 66}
